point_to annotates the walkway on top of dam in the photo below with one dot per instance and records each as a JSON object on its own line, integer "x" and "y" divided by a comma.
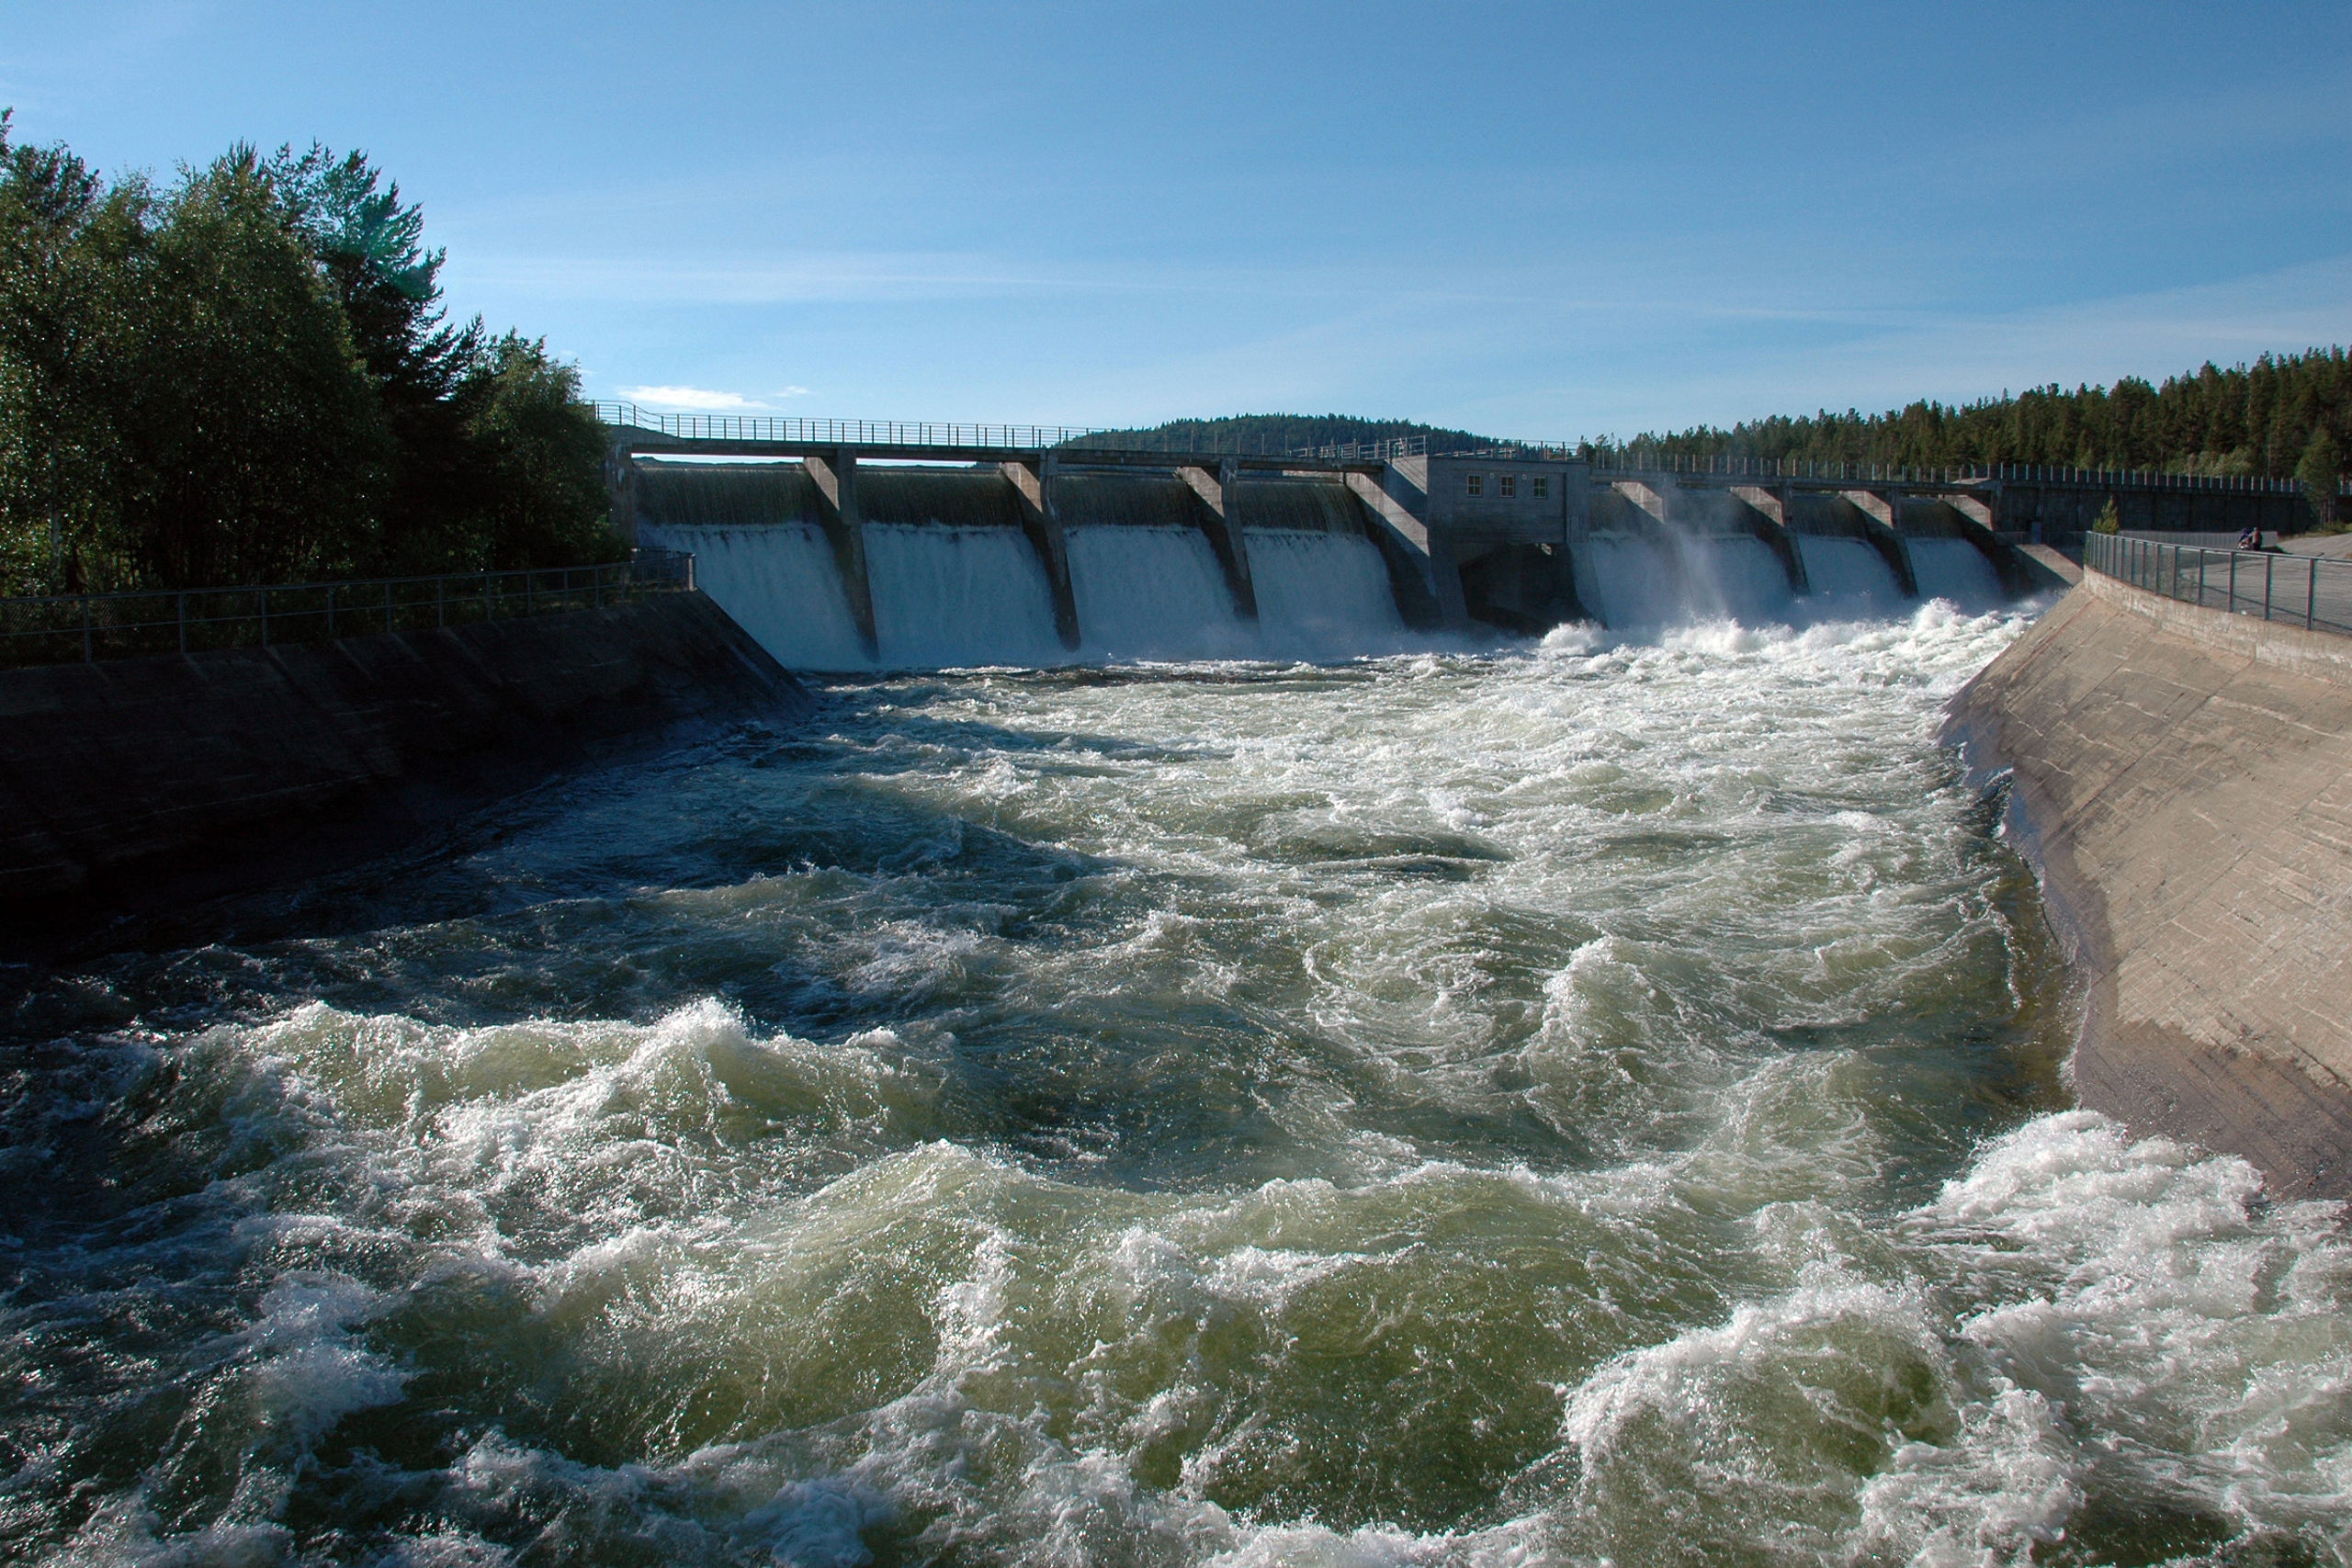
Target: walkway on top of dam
{"x": 632, "y": 429}
{"x": 1524, "y": 537}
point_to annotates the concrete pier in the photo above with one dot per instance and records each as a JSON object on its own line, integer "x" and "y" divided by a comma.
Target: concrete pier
{"x": 1041, "y": 520}
{"x": 844, "y": 524}
{"x": 1220, "y": 497}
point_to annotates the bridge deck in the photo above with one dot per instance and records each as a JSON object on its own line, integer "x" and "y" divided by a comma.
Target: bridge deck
{"x": 654, "y": 444}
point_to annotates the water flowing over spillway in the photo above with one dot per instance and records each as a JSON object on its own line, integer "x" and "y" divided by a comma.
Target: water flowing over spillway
{"x": 1579, "y": 1102}
{"x": 960, "y": 597}
{"x": 1851, "y": 575}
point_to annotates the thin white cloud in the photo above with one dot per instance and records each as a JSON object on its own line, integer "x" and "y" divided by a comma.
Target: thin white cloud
{"x": 2154, "y": 334}
{"x": 790, "y": 392}
{"x": 691, "y": 400}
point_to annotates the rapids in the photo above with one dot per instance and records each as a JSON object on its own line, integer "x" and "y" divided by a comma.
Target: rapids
{"x": 1591, "y": 1102}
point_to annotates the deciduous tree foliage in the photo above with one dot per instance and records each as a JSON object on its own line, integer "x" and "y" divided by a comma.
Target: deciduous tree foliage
{"x": 249, "y": 376}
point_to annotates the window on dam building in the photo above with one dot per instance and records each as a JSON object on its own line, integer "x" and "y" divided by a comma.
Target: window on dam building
{"x": 1509, "y": 486}
{"x": 1476, "y": 482}
{"x": 1541, "y": 487}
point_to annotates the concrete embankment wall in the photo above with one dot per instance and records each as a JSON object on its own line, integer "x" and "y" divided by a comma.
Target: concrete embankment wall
{"x": 2181, "y": 778}
{"x": 136, "y": 784}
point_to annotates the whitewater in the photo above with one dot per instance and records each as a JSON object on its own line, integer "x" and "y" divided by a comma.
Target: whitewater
{"x": 1599, "y": 1101}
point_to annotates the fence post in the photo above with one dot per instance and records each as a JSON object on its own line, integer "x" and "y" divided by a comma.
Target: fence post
{"x": 264, "y": 617}
{"x": 183, "y": 607}
{"x": 330, "y": 613}
{"x": 388, "y": 607}
{"x": 2233, "y": 583}
{"x": 2310, "y": 591}
{"x": 440, "y": 601}
{"x": 489, "y": 605}
{"x": 2268, "y": 563}
{"x": 87, "y": 655}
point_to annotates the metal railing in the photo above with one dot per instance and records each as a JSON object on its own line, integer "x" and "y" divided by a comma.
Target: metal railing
{"x": 788, "y": 429}
{"x": 1638, "y": 457}
{"x": 1642, "y": 459}
{"x": 2312, "y": 591}
{"x": 89, "y": 627}
{"x": 842, "y": 432}
{"x": 1386, "y": 451}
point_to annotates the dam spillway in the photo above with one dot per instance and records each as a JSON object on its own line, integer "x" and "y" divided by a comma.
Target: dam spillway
{"x": 835, "y": 563}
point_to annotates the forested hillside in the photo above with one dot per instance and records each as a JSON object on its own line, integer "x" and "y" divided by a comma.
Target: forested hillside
{"x": 2287, "y": 417}
{"x": 247, "y": 377}
{"x": 1288, "y": 433}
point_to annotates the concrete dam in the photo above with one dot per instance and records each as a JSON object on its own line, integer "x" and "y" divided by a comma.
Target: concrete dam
{"x": 902, "y": 550}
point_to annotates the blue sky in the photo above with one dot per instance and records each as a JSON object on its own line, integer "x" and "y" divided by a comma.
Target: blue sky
{"x": 1539, "y": 222}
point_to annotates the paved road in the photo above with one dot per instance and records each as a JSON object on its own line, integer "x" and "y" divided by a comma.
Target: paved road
{"x": 2337, "y": 547}
{"x": 2293, "y": 585}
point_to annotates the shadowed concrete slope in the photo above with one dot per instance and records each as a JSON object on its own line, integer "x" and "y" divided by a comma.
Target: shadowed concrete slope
{"x": 2182, "y": 779}
{"x": 132, "y": 786}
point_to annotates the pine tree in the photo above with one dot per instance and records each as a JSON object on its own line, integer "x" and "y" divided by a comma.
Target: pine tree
{"x": 2321, "y": 474}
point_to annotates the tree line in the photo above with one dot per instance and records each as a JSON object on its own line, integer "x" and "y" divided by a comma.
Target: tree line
{"x": 1282, "y": 433}
{"x": 248, "y": 376}
{"x": 2282, "y": 417}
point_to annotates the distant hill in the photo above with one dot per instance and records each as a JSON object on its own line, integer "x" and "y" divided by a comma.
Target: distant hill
{"x": 2282, "y": 416}
{"x": 1279, "y": 433}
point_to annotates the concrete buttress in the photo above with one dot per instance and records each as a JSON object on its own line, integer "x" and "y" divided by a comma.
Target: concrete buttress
{"x": 1220, "y": 496}
{"x": 836, "y": 477}
{"x": 1041, "y": 520}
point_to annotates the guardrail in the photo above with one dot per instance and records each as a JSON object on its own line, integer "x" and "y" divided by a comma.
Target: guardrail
{"x": 1636, "y": 458}
{"x": 89, "y": 627}
{"x": 2306, "y": 590}
{"x": 841, "y": 432}
{"x": 1386, "y": 451}
{"x": 789, "y": 429}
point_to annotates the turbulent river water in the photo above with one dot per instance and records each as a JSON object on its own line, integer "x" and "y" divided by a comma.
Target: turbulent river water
{"x": 1574, "y": 1103}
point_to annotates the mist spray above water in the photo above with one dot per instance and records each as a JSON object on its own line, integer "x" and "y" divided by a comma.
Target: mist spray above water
{"x": 1594, "y": 1101}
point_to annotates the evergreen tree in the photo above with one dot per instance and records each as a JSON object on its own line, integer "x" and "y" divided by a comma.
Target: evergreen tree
{"x": 2321, "y": 473}
{"x": 371, "y": 245}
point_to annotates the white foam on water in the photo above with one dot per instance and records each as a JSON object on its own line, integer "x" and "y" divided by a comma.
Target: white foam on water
{"x": 2081, "y": 1311}
{"x": 1443, "y": 1110}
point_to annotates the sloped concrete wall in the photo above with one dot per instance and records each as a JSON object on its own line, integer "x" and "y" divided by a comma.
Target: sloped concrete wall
{"x": 2182, "y": 779}
{"x": 137, "y": 783}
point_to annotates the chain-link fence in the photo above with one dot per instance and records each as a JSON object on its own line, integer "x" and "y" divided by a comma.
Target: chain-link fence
{"x": 70, "y": 628}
